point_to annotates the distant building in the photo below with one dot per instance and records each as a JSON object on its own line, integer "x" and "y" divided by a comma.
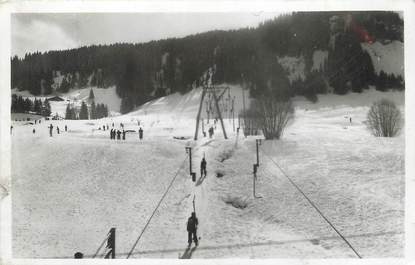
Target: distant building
{"x": 56, "y": 98}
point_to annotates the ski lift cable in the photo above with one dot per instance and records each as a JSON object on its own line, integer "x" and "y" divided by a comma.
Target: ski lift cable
{"x": 155, "y": 209}
{"x": 158, "y": 205}
{"x": 313, "y": 205}
{"x": 99, "y": 248}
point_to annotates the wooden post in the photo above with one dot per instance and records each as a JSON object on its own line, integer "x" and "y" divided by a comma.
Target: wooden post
{"x": 219, "y": 114}
{"x": 194, "y": 207}
{"x": 198, "y": 113}
{"x": 233, "y": 113}
{"x": 111, "y": 244}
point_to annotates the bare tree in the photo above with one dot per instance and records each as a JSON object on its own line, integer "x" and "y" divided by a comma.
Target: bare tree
{"x": 384, "y": 119}
{"x": 273, "y": 115}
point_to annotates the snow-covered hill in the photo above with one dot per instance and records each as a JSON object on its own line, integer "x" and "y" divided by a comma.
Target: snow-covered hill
{"x": 80, "y": 183}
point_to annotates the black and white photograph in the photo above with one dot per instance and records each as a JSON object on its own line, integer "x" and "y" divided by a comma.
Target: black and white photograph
{"x": 207, "y": 135}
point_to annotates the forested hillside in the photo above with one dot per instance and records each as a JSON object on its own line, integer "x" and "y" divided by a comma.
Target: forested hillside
{"x": 145, "y": 71}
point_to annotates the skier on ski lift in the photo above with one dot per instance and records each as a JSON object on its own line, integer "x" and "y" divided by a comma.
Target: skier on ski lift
{"x": 192, "y": 224}
{"x": 140, "y": 133}
{"x": 203, "y": 168}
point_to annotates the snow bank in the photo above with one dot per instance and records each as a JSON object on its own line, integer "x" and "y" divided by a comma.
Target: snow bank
{"x": 364, "y": 99}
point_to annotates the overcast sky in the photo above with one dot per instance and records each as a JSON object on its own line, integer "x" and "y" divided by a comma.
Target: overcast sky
{"x": 52, "y": 31}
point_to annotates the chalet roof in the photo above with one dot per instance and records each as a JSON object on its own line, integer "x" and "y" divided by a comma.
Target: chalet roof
{"x": 56, "y": 98}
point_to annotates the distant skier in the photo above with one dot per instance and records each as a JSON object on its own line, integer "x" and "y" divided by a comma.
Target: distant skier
{"x": 111, "y": 134}
{"x": 210, "y": 132}
{"x": 34, "y": 131}
{"x": 118, "y": 135}
{"x": 50, "y": 130}
{"x": 350, "y": 120}
{"x": 11, "y": 129}
{"x": 140, "y": 133}
{"x": 57, "y": 129}
{"x": 192, "y": 224}
{"x": 108, "y": 127}
{"x": 112, "y": 124}
{"x": 203, "y": 168}
{"x": 123, "y": 134}
{"x": 66, "y": 128}
{"x": 35, "y": 121}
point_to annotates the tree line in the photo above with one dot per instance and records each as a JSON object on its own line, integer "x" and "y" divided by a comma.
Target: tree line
{"x": 26, "y": 105}
{"x": 149, "y": 70}
{"x": 95, "y": 111}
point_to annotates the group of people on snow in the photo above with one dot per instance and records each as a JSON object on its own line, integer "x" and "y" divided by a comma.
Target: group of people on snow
{"x": 117, "y": 134}
{"x": 51, "y": 130}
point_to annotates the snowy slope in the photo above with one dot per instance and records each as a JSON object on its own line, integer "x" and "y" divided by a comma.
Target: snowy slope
{"x": 80, "y": 183}
{"x": 387, "y": 57}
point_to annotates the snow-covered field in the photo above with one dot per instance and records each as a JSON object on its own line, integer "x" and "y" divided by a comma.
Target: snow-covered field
{"x": 70, "y": 189}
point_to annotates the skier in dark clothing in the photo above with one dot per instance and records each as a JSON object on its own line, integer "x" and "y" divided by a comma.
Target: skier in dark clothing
{"x": 140, "y": 133}
{"x": 34, "y": 131}
{"x": 66, "y": 128}
{"x": 210, "y": 132}
{"x": 192, "y": 224}
{"x": 50, "y": 130}
{"x": 203, "y": 171}
{"x": 123, "y": 134}
{"x": 57, "y": 129}
{"x": 111, "y": 134}
{"x": 11, "y": 129}
{"x": 118, "y": 135}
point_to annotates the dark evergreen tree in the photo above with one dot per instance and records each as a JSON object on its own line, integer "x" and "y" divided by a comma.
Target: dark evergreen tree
{"x": 91, "y": 95}
{"x": 46, "y": 110}
{"x": 93, "y": 114}
{"x": 83, "y": 114}
{"x": 37, "y": 106}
